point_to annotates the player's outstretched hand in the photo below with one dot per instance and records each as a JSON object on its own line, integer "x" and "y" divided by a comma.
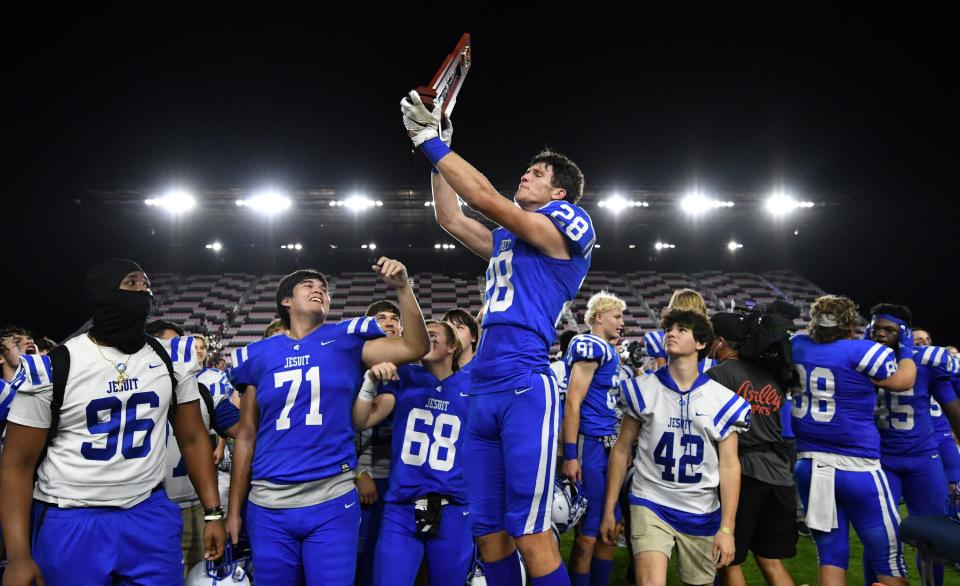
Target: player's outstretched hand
{"x": 22, "y": 572}
{"x": 609, "y": 530}
{"x": 421, "y": 122}
{"x": 233, "y": 527}
{"x": 214, "y": 540}
{"x": 383, "y": 372}
{"x": 723, "y": 549}
{"x": 393, "y": 272}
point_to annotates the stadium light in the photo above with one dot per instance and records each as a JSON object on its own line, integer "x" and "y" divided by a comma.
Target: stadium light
{"x": 632, "y": 246}
{"x": 357, "y": 203}
{"x": 781, "y": 204}
{"x": 733, "y": 246}
{"x": 371, "y": 246}
{"x": 664, "y": 245}
{"x": 292, "y": 246}
{"x": 696, "y": 203}
{"x": 215, "y": 246}
{"x": 617, "y": 203}
{"x": 175, "y": 201}
{"x": 268, "y": 202}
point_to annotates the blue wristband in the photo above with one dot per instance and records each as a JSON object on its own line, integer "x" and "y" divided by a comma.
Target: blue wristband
{"x": 435, "y": 149}
{"x": 569, "y": 451}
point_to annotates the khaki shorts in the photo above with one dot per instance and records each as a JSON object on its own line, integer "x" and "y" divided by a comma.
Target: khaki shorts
{"x": 648, "y": 532}
{"x": 192, "y": 538}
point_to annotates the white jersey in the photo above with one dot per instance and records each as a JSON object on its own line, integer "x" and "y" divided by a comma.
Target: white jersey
{"x": 217, "y": 382}
{"x": 110, "y": 448}
{"x": 677, "y": 464}
{"x": 559, "y": 368}
{"x": 175, "y": 481}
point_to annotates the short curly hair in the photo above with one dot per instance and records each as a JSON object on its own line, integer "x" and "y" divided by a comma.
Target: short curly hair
{"x": 833, "y": 317}
{"x": 566, "y": 174}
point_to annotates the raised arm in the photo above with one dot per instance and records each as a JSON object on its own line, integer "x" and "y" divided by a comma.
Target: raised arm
{"x": 451, "y": 218}
{"x": 413, "y": 343}
{"x": 902, "y": 379}
{"x": 369, "y": 408}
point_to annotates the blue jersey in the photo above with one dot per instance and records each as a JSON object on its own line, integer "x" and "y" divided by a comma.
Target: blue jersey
{"x": 598, "y": 411}
{"x": 6, "y": 398}
{"x": 305, "y": 392}
{"x": 947, "y": 394}
{"x": 430, "y": 422}
{"x": 656, "y": 347}
{"x": 525, "y": 295}
{"x": 833, "y": 410}
{"x": 906, "y": 427}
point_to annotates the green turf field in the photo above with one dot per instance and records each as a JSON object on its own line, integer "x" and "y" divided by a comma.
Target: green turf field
{"x": 803, "y": 568}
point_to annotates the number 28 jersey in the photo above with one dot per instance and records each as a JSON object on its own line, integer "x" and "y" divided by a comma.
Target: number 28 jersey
{"x": 833, "y": 411}
{"x": 526, "y": 293}
{"x": 429, "y": 427}
{"x": 305, "y": 391}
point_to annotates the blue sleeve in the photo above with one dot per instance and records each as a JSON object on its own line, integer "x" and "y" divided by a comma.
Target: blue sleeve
{"x": 390, "y": 388}
{"x": 584, "y": 348}
{"x": 653, "y": 344}
{"x": 241, "y": 374}
{"x": 938, "y": 358}
{"x": 574, "y": 223}
{"x": 874, "y": 360}
{"x": 225, "y": 416}
{"x": 365, "y": 328}
{"x": 632, "y": 398}
{"x": 942, "y": 390}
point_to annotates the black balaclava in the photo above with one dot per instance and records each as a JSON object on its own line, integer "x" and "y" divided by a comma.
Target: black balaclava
{"x": 118, "y": 316}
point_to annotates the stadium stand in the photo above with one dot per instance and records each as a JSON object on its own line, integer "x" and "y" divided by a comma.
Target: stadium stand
{"x": 234, "y": 308}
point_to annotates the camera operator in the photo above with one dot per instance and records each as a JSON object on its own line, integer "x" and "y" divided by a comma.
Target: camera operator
{"x": 752, "y": 352}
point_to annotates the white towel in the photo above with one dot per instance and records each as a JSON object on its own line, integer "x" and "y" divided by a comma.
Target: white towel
{"x": 822, "y": 503}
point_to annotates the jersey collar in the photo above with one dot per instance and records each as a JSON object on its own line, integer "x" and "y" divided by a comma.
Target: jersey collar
{"x": 663, "y": 375}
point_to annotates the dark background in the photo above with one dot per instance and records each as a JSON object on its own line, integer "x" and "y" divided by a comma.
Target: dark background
{"x": 855, "y": 111}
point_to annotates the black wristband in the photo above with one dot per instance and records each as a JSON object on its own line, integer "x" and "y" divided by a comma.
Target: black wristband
{"x": 214, "y": 514}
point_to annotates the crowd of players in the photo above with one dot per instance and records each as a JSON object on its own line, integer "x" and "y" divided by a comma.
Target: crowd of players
{"x": 390, "y": 449}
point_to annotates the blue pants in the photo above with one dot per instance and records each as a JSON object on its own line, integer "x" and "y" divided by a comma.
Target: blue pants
{"x": 512, "y": 442}
{"x": 593, "y": 464}
{"x": 950, "y": 454}
{"x": 108, "y": 545}
{"x": 400, "y": 550}
{"x": 369, "y": 532}
{"x": 865, "y": 500}
{"x": 314, "y": 545}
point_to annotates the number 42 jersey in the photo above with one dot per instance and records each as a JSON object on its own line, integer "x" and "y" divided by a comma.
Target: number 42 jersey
{"x": 526, "y": 292}
{"x": 305, "y": 391}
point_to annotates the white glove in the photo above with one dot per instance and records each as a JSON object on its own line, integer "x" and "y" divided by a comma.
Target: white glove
{"x": 421, "y": 123}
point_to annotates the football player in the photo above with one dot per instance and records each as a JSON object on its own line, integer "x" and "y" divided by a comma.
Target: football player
{"x": 838, "y": 468}
{"x": 467, "y": 330}
{"x": 538, "y": 258}
{"x": 684, "y": 425}
{"x": 98, "y": 496}
{"x": 295, "y": 450}
{"x": 590, "y": 429}
{"x": 9, "y": 363}
{"x": 426, "y": 516}
{"x": 946, "y": 445}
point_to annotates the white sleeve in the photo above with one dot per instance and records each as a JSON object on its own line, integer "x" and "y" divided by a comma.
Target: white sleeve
{"x": 187, "y": 390}
{"x": 32, "y": 409}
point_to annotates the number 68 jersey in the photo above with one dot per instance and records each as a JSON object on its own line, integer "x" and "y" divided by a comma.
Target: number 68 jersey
{"x": 305, "y": 390}
{"x": 677, "y": 463}
{"x": 110, "y": 446}
{"x": 526, "y": 292}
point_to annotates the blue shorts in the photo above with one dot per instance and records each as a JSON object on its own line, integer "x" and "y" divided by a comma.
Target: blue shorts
{"x": 108, "y": 545}
{"x": 950, "y": 454}
{"x": 370, "y": 516}
{"x": 512, "y": 442}
{"x": 865, "y": 500}
{"x": 315, "y": 545}
{"x": 400, "y": 550}
{"x": 593, "y": 465}
{"x": 919, "y": 480}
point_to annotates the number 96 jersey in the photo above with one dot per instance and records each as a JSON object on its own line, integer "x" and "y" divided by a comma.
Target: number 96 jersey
{"x": 527, "y": 291}
{"x": 305, "y": 391}
{"x": 429, "y": 424}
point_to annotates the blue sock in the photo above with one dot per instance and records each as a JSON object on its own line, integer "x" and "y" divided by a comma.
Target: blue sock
{"x": 580, "y": 579}
{"x": 505, "y": 572}
{"x": 600, "y": 572}
{"x": 557, "y": 577}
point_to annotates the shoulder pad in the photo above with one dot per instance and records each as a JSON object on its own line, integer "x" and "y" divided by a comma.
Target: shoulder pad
{"x": 574, "y": 223}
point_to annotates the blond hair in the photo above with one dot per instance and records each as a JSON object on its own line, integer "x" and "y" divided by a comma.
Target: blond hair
{"x": 687, "y": 299}
{"x": 833, "y": 317}
{"x": 600, "y": 303}
{"x": 453, "y": 340}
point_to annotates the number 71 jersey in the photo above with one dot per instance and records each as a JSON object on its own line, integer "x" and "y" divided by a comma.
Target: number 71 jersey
{"x": 305, "y": 391}
{"x": 529, "y": 289}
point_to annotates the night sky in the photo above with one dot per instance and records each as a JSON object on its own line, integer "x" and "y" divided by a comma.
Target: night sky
{"x": 858, "y": 109}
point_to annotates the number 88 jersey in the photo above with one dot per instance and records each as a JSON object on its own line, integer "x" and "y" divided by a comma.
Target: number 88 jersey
{"x": 833, "y": 409}
{"x": 528, "y": 291}
{"x": 429, "y": 424}
{"x": 305, "y": 390}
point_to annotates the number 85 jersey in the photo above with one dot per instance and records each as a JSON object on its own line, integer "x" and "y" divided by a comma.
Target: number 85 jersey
{"x": 305, "y": 390}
